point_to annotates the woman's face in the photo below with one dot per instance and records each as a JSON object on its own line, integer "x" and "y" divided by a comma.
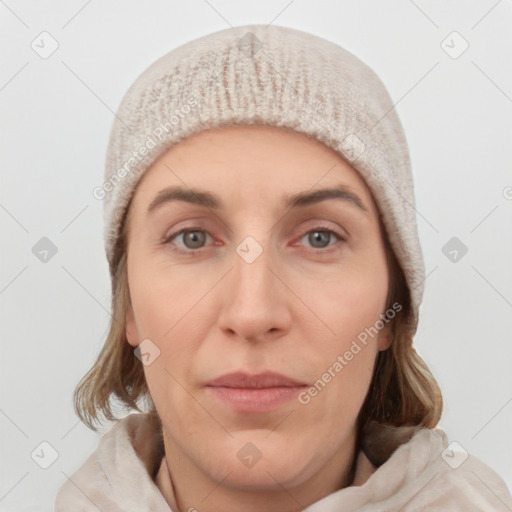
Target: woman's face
{"x": 254, "y": 308}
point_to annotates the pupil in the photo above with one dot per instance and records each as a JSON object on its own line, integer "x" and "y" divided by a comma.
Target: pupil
{"x": 195, "y": 237}
{"x": 318, "y": 236}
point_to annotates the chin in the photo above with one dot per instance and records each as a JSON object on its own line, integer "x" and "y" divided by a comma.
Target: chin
{"x": 264, "y": 477}
{"x": 259, "y": 464}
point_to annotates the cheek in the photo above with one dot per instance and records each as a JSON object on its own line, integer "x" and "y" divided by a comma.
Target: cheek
{"x": 343, "y": 374}
{"x": 351, "y": 306}
{"x": 354, "y": 301}
{"x": 171, "y": 313}
{"x": 161, "y": 298}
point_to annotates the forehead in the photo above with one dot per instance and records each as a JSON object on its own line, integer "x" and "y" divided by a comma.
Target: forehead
{"x": 251, "y": 163}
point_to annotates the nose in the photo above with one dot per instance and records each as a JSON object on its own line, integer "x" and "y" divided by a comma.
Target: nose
{"x": 255, "y": 303}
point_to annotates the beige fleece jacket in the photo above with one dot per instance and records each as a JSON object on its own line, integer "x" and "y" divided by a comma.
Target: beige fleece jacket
{"x": 417, "y": 471}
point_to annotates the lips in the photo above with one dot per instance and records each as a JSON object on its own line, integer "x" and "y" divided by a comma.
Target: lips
{"x": 259, "y": 381}
{"x": 259, "y": 393}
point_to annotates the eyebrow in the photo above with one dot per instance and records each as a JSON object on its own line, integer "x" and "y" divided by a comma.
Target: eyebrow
{"x": 297, "y": 200}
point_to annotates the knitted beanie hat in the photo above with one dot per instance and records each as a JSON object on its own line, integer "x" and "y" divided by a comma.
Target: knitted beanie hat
{"x": 270, "y": 75}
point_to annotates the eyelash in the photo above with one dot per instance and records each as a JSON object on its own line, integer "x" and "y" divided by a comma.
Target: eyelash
{"x": 172, "y": 236}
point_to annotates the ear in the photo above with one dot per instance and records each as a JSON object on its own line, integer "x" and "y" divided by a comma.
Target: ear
{"x": 131, "y": 328}
{"x": 385, "y": 337}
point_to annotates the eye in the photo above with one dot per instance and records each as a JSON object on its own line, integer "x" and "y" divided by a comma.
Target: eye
{"x": 320, "y": 237}
{"x": 192, "y": 239}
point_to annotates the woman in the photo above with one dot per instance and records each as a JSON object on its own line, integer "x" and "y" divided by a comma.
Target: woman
{"x": 267, "y": 276}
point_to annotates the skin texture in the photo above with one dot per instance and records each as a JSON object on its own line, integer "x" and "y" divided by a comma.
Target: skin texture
{"x": 293, "y": 310}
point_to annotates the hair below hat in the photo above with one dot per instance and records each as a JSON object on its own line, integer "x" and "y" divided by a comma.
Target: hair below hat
{"x": 273, "y": 75}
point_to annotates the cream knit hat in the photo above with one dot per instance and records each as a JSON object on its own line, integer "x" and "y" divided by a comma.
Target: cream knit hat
{"x": 272, "y": 75}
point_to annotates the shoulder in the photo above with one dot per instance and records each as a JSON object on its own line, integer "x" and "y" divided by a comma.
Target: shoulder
{"x": 123, "y": 461}
{"x": 441, "y": 476}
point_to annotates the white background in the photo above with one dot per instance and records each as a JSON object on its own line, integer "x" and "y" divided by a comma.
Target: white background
{"x": 56, "y": 117}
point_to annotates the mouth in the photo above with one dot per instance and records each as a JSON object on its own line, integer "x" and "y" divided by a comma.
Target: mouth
{"x": 254, "y": 393}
